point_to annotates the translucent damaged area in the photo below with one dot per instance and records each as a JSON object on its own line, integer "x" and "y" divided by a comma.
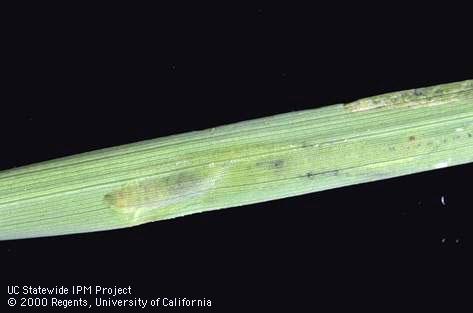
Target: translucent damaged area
{"x": 137, "y": 198}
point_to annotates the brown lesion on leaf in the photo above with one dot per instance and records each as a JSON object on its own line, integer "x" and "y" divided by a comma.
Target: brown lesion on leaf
{"x": 413, "y": 98}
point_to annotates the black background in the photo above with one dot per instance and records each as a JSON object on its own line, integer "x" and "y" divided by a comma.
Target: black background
{"x": 84, "y": 78}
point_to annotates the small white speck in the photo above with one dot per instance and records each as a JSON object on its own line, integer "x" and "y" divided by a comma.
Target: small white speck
{"x": 459, "y": 129}
{"x": 444, "y": 240}
{"x": 457, "y": 240}
{"x": 441, "y": 164}
{"x": 442, "y": 200}
{"x": 316, "y": 145}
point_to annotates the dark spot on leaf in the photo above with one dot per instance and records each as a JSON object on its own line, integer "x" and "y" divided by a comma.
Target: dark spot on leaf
{"x": 310, "y": 175}
{"x": 278, "y": 163}
{"x": 273, "y": 164}
{"x": 412, "y": 138}
{"x": 307, "y": 145}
